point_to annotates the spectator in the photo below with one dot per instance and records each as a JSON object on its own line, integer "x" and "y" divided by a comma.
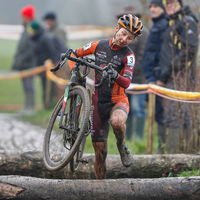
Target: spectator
{"x": 53, "y": 26}
{"x": 150, "y": 62}
{"x": 24, "y": 59}
{"x": 45, "y": 47}
{"x": 137, "y": 113}
{"x": 177, "y": 68}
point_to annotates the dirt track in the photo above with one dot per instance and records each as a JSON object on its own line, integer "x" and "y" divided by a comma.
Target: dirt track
{"x": 19, "y": 135}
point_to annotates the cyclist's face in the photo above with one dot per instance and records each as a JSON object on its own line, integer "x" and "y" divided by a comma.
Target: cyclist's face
{"x": 123, "y": 37}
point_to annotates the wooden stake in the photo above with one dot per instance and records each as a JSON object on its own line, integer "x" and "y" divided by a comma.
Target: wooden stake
{"x": 151, "y": 117}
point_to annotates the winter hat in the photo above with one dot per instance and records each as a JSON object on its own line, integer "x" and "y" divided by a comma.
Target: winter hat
{"x": 33, "y": 27}
{"x": 128, "y": 10}
{"x": 28, "y": 11}
{"x": 158, "y": 3}
{"x": 50, "y": 15}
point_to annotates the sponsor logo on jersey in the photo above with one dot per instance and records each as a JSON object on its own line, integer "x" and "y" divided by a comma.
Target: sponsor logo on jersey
{"x": 87, "y": 46}
{"x": 101, "y": 56}
{"x": 116, "y": 60}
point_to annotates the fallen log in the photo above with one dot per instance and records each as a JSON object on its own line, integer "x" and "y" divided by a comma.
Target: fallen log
{"x": 144, "y": 166}
{"x": 29, "y": 188}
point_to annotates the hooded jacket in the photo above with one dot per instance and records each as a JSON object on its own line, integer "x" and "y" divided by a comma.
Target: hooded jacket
{"x": 152, "y": 50}
{"x": 24, "y": 57}
{"x": 46, "y": 46}
{"x": 180, "y": 44}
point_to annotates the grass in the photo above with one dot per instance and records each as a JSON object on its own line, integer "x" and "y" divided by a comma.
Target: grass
{"x": 12, "y": 93}
{"x": 7, "y": 52}
{"x": 186, "y": 173}
{"x": 136, "y": 146}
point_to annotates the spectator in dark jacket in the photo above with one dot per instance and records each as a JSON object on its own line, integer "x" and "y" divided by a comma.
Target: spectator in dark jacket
{"x": 178, "y": 57}
{"x": 150, "y": 62}
{"x": 24, "y": 59}
{"x": 46, "y": 46}
{"x": 137, "y": 113}
{"x": 53, "y": 26}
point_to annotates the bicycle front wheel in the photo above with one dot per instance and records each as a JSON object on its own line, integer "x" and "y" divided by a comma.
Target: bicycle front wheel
{"x": 75, "y": 161}
{"x": 60, "y": 145}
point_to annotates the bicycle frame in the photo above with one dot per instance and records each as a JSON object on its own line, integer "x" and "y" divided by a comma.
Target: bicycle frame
{"x": 75, "y": 79}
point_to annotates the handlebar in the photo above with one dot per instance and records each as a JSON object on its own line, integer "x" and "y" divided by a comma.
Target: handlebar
{"x": 87, "y": 62}
{"x": 67, "y": 55}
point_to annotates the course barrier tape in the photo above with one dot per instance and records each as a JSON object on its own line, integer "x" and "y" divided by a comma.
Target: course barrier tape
{"x": 24, "y": 73}
{"x": 132, "y": 89}
{"x": 172, "y": 98}
{"x": 56, "y": 79}
{"x": 52, "y": 76}
{"x": 165, "y": 93}
{"x": 175, "y": 93}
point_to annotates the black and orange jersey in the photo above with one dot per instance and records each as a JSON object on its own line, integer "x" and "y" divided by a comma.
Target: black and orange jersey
{"x": 123, "y": 61}
{"x": 105, "y": 99}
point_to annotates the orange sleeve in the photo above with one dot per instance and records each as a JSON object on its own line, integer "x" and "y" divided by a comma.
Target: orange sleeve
{"x": 83, "y": 51}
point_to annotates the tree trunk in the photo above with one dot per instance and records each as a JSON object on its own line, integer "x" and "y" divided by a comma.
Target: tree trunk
{"x": 28, "y": 188}
{"x": 144, "y": 166}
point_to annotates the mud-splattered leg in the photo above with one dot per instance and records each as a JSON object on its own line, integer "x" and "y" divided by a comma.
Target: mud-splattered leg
{"x": 118, "y": 122}
{"x": 100, "y": 159}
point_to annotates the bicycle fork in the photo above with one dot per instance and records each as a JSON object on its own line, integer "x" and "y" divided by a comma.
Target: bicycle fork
{"x": 64, "y": 105}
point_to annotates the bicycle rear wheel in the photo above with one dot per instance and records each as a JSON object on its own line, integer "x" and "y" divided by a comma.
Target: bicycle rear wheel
{"x": 75, "y": 161}
{"x": 60, "y": 145}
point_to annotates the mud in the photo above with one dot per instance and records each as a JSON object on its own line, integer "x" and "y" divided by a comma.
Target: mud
{"x": 16, "y": 134}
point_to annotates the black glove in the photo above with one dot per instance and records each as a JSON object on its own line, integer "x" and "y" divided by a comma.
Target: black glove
{"x": 114, "y": 74}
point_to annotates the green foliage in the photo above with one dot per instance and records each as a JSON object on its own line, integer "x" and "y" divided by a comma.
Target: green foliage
{"x": 188, "y": 173}
{"x": 170, "y": 174}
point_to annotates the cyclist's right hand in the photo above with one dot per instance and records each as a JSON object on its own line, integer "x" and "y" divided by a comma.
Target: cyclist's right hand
{"x": 113, "y": 73}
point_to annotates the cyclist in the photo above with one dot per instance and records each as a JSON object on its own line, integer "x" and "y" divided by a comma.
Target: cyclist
{"x": 110, "y": 104}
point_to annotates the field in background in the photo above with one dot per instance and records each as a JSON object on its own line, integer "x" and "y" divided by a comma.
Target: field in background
{"x": 11, "y": 90}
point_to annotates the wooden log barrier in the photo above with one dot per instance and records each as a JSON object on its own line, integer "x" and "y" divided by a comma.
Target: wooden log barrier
{"x": 144, "y": 166}
{"x": 29, "y": 188}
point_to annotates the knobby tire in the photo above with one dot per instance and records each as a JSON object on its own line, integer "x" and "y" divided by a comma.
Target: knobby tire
{"x": 56, "y": 156}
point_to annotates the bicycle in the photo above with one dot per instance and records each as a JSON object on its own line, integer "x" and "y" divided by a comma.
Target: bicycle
{"x": 69, "y": 124}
